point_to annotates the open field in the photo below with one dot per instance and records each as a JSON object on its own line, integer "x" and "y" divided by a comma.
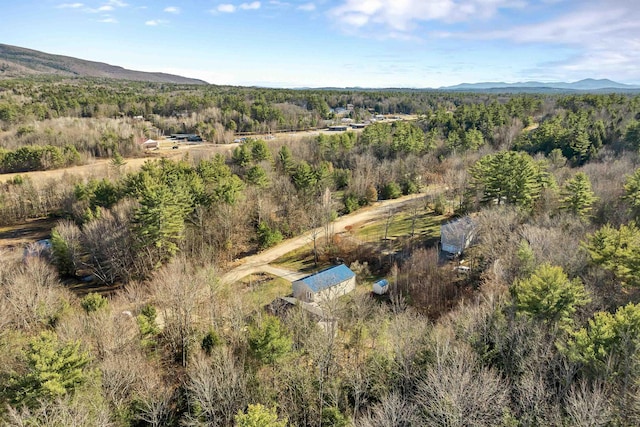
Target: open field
{"x": 401, "y": 225}
{"x": 102, "y": 167}
{"x": 261, "y": 288}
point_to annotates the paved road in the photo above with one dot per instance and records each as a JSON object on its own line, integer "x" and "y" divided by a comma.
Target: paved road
{"x": 260, "y": 262}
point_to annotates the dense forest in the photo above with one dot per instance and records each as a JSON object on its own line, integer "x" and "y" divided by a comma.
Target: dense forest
{"x": 543, "y": 330}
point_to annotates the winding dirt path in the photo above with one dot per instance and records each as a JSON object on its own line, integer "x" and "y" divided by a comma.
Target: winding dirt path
{"x": 260, "y": 262}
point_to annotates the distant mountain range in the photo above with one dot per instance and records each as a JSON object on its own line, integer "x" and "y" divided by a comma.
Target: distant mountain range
{"x": 582, "y": 85}
{"x": 20, "y": 62}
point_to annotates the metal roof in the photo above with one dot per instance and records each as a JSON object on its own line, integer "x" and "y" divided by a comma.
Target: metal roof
{"x": 327, "y": 278}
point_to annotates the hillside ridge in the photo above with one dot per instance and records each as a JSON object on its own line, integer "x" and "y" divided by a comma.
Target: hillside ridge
{"x": 20, "y": 62}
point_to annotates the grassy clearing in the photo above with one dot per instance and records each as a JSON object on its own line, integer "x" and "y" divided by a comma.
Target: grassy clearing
{"x": 300, "y": 260}
{"x": 260, "y": 289}
{"x": 401, "y": 224}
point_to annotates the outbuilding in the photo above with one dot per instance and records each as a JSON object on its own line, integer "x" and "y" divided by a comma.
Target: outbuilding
{"x": 325, "y": 285}
{"x": 456, "y": 236}
{"x": 381, "y": 287}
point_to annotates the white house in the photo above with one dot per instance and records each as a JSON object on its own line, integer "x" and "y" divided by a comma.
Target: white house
{"x": 456, "y": 236}
{"x": 325, "y": 285}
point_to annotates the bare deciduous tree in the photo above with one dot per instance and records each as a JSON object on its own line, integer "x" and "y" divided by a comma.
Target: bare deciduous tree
{"x": 457, "y": 392}
{"x": 216, "y": 388}
{"x": 392, "y": 411}
{"x": 588, "y": 405}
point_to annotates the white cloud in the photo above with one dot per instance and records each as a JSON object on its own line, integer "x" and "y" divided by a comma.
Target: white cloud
{"x": 404, "y": 15}
{"x": 279, "y": 3}
{"x": 250, "y": 6}
{"x": 117, "y": 3}
{"x": 108, "y": 20}
{"x": 307, "y": 7}
{"x": 109, "y": 6}
{"x": 156, "y": 22}
{"x": 593, "y": 38}
{"x": 226, "y": 8}
{"x": 70, "y": 5}
{"x": 172, "y": 9}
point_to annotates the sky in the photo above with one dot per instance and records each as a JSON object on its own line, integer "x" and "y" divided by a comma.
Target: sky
{"x": 340, "y": 43}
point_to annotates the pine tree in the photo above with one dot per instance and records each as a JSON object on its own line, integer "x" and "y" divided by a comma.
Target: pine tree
{"x": 258, "y": 416}
{"x": 286, "y": 159}
{"x": 159, "y": 222}
{"x": 269, "y": 341}
{"x": 632, "y": 191}
{"x": 508, "y": 177}
{"x": 241, "y": 156}
{"x": 54, "y": 369}
{"x": 548, "y": 294}
{"x": 578, "y": 196}
{"x": 257, "y": 176}
{"x": 260, "y": 151}
{"x": 617, "y": 251}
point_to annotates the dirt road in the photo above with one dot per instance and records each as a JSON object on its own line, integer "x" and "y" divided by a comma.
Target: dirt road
{"x": 260, "y": 262}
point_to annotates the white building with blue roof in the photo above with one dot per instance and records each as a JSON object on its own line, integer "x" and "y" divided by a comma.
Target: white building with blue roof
{"x": 325, "y": 285}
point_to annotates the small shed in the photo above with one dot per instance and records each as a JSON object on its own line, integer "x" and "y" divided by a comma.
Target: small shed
{"x": 325, "y": 285}
{"x": 381, "y": 287}
{"x": 338, "y": 128}
{"x": 456, "y": 236}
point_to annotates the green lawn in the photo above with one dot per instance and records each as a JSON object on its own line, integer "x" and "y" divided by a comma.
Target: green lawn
{"x": 301, "y": 259}
{"x": 263, "y": 288}
{"x": 427, "y": 227}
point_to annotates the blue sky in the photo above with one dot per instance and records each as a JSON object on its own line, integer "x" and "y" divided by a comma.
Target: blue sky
{"x": 342, "y": 43}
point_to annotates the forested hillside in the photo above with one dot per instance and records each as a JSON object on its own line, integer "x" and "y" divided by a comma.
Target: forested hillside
{"x": 542, "y": 329}
{"x": 18, "y": 62}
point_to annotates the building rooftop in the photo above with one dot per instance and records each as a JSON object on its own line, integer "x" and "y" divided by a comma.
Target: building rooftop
{"x": 327, "y": 278}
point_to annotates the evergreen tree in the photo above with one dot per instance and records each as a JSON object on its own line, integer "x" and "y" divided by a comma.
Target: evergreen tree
{"x": 268, "y": 237}
{"x": 617, "y": 251}
{"x": 632, "y": 191}
{"x": 159, "y": 221}
{"x": 62, "y": 254}
{"x": 286, "y": 159}
{"x": 632, "y": 135}
{"x": 508, "y": 177}
{"x": 259, "y": 151}
{"x": 548, "y": 294}
{"x": 241, "y": 156}
{"x": 54, "y": 369}
{"x": 609, "y": 344}
{"x": 578, "y": 196}
{"x": 304, "y": 177}
{"x": 258, "y": 416}
{"x": 257, "y": 176}
{"x": 269, "y": 341}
